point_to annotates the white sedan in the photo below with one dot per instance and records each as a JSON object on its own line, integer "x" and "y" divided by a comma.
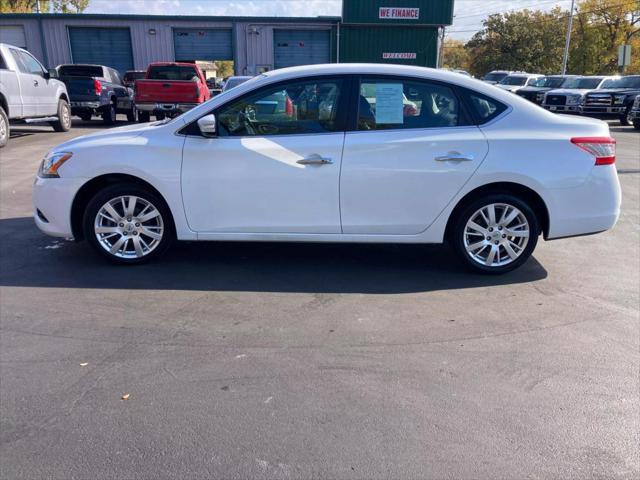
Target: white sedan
{"x": 470, "y": 164}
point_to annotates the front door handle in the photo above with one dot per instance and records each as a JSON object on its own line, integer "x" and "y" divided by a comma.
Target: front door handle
{"x": 314, "y": 160}
{"x": 454, "y": 157}
{"x": 35, "y": 83}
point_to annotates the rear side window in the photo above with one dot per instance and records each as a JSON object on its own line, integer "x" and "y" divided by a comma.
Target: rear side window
{"x": 394, "y": 104}
{"x": 173, "y": 72}
{"x": 484, "y": 108}
{"x": 80, "y": 71}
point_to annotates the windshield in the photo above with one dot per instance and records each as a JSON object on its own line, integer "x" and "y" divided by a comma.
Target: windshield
{"x": 585, "y": 83}
{"x": 172, "y": 72}
{"x": 494, "y": 77}
{"x": 513, "y": 80}
{"x": 549, "y": 82}
{"x": 80, "y": 71}
{"x": 624, "y": 82}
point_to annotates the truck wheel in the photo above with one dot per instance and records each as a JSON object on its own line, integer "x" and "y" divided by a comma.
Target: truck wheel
{"x": 636, "y": 124}
{"x": 63, "y": 124}
{"x": 132, "y": 115}
{"x": 625, "y": 118}
{"x": 4, "y": 128}
{"x": 109, "y": 114}
{"x": 160, "y": 116}
{"x": 144, "y": 117}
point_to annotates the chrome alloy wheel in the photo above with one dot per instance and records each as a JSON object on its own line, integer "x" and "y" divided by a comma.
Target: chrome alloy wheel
{"x": 66, "y": 116}
{"x": 496, "y": 234}
{"x": 129, "y": 227}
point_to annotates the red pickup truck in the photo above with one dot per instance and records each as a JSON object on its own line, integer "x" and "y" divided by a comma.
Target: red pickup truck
{"x": 169, "y": 89}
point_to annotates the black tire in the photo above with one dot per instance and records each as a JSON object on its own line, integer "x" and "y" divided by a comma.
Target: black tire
{"x": 144, "y": 117}
{"x": 5, "y": 128}
{"x": 132, "y": 115}
{"x": 457, "y": 233}
{"x": 624, "y": 119}
{"x": 128, "y": 189}
{"x": 160, "y": 116}
{"x": 63, "y": 124}
{"x": 86, "y": 117}
{"x": 636, "y": 124}
{"x": 109, "y": 114}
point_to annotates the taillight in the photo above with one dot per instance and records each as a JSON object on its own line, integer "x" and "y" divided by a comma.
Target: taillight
{"x": 603, "y": 148}
{"x": 97, "y": 86}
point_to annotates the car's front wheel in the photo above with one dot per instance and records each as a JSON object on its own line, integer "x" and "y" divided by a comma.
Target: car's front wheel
{"x": 128, "y": 224}
{"x": 63, "y": 124}
{"x": 4, "y": 128}
{"x": 625, "y": 119}
{"x": 496, "y": 233}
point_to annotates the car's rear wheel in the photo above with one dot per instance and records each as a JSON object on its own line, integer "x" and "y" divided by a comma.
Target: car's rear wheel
{"x": 4, "y": 128}
{"x": 109, "y": 114}
{"x": 496, "y": 233}
{"x": 160, "y": 116}
{"x": 128, "y": 224}
{"x": 63, "y": 124}
{"x": 132, "y": 115}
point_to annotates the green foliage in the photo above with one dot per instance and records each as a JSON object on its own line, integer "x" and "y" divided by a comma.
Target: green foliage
{"x": 225, "y": 68}
{"x": 455, "y": 55}
{"x": 534, "y": 41}
{"x": 45, "y": 6}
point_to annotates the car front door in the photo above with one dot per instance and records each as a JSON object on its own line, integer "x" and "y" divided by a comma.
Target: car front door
{"x": 412, "y": 150}
{"x": 274, "y": 165}
{"x": 29, "y": 85}
{"x": 44, "y": 89}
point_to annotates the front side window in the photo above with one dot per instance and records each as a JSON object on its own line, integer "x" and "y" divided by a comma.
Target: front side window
{"x": 30, "y": 64}
{"x": 397, "y": 104}
{"x": 309, "y": 106}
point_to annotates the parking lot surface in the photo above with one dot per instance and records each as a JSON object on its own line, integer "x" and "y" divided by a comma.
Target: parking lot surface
{"x": 312, "y": 360}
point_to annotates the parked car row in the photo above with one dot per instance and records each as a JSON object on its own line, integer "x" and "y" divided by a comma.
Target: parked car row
{"x": 603, "y": 97}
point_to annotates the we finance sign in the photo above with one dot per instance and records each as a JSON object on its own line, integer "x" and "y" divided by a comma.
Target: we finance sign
{"x": 405, "y": 13}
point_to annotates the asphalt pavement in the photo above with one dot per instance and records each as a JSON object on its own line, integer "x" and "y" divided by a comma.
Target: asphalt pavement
{"x": 313, "y": 360}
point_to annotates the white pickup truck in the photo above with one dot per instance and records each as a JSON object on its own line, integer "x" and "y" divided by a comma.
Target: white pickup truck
{"x": 29, "y": 92}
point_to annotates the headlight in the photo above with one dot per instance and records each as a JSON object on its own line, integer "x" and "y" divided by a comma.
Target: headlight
{"x": 573, "y": 99}
{"x": 52, "y": 162}
{"x": 618, "y": 99}
{"x": 540, "y": 97}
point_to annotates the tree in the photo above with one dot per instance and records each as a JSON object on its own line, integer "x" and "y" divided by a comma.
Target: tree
{"x": 454, "y": 54}
{"x": 526, "y": 40}
{"x": 600, "y": 27}
{"x": 44, "y": 6}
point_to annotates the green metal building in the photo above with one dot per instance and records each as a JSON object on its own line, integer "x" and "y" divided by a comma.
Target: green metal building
{"x": 393, "y": 31}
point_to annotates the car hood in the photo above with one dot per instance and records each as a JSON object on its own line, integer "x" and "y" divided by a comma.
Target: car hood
{"x": 568, "y": 91}
{"x": 626, "y": 91}
{"x": 510, "y": 88}
{"x": 110, "y": 135}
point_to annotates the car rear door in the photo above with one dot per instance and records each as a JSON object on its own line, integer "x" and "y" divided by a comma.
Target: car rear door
{"x": 273, "y": 167}
{"x": 402, "y": 166}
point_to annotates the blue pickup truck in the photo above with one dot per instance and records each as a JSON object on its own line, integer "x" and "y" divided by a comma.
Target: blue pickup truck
{"x": 97, "y": 90}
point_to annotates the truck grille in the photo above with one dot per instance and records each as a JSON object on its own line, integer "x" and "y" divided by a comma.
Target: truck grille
{"x": 531, "y": 96}
{"x": 556, "y": 100}
{"x": 600, "y": 100}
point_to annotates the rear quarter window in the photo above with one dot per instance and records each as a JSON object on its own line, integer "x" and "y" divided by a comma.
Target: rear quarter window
{"x": 483, "y": 108}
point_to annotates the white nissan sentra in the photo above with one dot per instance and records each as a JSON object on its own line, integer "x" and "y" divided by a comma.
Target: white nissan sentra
{"x": 339, "y": 153}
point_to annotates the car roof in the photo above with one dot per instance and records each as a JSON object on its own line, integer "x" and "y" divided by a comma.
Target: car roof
{"x": 239, "y": 76}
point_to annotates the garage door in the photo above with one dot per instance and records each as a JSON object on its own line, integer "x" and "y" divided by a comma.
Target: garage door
{"x": 207, "y": 44}
{"x": 300, "y": 47}
{"x": 13, "y": 35}
{"x": 102, "y": 46}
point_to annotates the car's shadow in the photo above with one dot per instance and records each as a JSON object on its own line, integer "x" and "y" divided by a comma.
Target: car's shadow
{"x": 30, "y": 259}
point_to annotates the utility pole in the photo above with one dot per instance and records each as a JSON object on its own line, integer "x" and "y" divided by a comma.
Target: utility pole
{"x": 568, "y": 40}
{"x": 441, "y": 49}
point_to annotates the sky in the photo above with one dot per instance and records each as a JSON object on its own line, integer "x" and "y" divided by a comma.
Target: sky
{"x": 468, "y": 13}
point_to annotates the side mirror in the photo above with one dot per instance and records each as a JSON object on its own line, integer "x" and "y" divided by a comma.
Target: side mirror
{"x": 207, "y": 125}
{"x": 52, "y": 73}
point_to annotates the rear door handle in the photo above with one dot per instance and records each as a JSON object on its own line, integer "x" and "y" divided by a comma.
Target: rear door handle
{"x": 314, "y": 160}
{"x": 454, "y": 157}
